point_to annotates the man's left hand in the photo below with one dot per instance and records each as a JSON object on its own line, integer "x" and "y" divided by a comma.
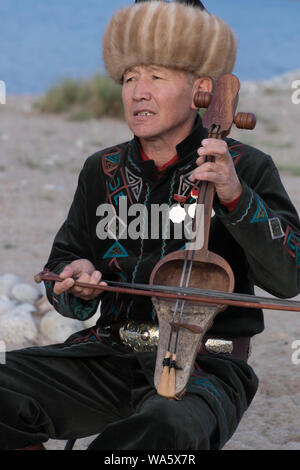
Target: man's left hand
{"x": 222, "y": 172}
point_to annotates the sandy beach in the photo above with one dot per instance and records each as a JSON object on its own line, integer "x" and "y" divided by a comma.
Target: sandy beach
{"x": 40, "y": 159}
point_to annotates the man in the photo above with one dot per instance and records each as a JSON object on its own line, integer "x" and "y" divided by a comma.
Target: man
{"x": 163, "y": 54}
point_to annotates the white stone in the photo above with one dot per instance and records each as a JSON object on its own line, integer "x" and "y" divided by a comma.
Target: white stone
{"x": 23, "y": 308}
{"x": 25, "y": 293}
{"x": 17, "y": 328}
{"x": 7, "y": 282}
{"x": 6, "y": 304}
{"x": 43, "y": 306}
{"x": 57, "y": 328}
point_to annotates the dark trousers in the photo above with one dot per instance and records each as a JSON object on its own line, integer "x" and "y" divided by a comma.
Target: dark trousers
{"x": 85, "y": 387}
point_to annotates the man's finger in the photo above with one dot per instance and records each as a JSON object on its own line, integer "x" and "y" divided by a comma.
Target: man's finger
{"x": 200, "y": 160}
{"x": 60, "y": 287}
{"x": 219, "y": 153}
{"x": 210, "y": 176}
{"x": 85, "y": 292}
{"x": 96, "y": 277}
{"x": 77, "y": 290}
{"x": 205, "y": 168}
{"x": 67, "y": 272}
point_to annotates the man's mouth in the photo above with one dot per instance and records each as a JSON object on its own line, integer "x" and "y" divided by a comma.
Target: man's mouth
{"x": 144, "y": 113}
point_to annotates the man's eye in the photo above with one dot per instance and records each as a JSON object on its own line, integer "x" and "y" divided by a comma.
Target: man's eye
{"x": 128, "y": 79}
{"x": 156, "y": 77}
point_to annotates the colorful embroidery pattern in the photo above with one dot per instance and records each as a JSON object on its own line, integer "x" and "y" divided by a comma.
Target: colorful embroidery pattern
{"x": 143, "y": 238}
{"x": 81, "y": 309}
{"x": 116, "y": 251}
{"x": 291, "y": 245}
{"x": 246, "y": 211}
{"x": 91, "y": 337}
{"x": 116, "y": 185}
{"x": 236, "y": 152}
{"x": 261, "y": 214}
{"x": 111, "y": 161}
{"x": 200, "y": 378}
{"x": 135, "y": 183}
{"x": 185, "y": 185}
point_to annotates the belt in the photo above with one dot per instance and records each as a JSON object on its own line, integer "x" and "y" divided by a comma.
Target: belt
{"x": 143, "y": 337}
{"x": 239, "y": 348}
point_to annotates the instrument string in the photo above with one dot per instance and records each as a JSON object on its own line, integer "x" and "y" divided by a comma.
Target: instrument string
{"x": 201, "y": 200}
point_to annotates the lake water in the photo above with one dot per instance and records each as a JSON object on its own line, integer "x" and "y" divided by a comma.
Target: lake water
{"x": 42, "y": 41}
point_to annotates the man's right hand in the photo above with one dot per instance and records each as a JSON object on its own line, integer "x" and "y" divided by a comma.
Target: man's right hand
{"x": 83, "y": 271}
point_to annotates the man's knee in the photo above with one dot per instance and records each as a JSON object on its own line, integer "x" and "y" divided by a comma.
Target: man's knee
{"x": 175, "y": 426}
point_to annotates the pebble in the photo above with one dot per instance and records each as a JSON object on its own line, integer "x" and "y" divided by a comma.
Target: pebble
{"x": 26, "y": 313}
{"x": 57, "y": 328}
{"x": 25, "y": 293}
{"x": 17, "y": 328}
{"x": 7, "y": 282}
{"x": 6, "y": 304}
{"x": 43, "y": 306}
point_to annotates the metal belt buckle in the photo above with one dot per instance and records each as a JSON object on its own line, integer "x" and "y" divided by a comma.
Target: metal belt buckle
{"x": 140, "y": 336}
{"x": 218, "y": 346}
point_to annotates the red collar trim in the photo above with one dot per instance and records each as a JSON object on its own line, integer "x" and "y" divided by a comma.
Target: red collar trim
{"x": 162, "y": 168}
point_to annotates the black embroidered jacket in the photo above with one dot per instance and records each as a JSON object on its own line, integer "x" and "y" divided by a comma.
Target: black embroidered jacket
{"x": 260, "y": 238}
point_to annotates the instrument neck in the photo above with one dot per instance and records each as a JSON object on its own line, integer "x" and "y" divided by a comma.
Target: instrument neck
{"x": 209, "y": 191}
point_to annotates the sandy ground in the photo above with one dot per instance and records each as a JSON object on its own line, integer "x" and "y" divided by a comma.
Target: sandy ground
{"x": 40, "y": 157}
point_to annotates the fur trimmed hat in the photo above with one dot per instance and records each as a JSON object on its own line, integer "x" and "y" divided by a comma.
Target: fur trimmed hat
{"x": 170, "y": 34}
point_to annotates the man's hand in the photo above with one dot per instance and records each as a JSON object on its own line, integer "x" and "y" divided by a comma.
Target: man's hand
{"x": 222, "y": 172}
{"x": 83, "y": 271}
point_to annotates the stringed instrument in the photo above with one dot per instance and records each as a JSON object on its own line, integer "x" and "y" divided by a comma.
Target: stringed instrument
{"x": 183, "y": 324}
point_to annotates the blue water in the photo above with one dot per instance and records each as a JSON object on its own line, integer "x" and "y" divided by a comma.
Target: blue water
{"x": 42, "y": 41}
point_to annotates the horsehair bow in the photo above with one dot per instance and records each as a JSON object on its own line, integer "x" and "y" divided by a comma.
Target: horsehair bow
{"x": 182, "y": 293}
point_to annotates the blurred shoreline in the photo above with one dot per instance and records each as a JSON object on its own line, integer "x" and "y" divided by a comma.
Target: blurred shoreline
{"x": 277, "y": 81}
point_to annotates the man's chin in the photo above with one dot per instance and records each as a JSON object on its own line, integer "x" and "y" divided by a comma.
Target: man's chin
{"x": 146, "y": 133}
{"x": 146, "y": 136}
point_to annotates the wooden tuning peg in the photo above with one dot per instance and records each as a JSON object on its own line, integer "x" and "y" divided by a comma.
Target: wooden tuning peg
{"x": 245, "y": 121}
{"x": 203, "y": 99}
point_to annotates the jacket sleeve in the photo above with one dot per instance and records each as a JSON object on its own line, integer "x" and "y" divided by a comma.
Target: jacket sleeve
{"x": 72, "y": 243}
{"x": 266, "y": 225}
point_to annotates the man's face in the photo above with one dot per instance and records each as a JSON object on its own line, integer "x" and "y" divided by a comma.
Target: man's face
{"x": 157, "y": 102}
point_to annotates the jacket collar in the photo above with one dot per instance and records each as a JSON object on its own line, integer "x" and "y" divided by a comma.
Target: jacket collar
{"x": 189, "y": 146}
{"x": 186, "y": 150}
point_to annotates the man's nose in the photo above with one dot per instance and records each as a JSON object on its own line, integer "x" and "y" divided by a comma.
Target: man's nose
{"x": 141, "y": 90}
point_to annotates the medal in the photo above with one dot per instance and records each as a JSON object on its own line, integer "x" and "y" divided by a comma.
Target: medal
{"x": 195, "y": 193}
{"x": 177, "y": 214}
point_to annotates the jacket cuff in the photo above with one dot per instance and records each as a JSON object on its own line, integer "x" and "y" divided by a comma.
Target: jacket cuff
{"x": 70, "y": 306}
{"x": 243, "y": 211}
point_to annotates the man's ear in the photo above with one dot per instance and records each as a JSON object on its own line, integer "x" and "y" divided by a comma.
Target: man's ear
{"x": 204, "y": 84}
